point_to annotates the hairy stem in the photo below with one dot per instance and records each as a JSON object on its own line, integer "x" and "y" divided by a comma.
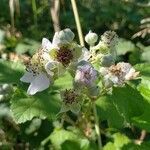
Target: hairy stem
{"x": 97, "y": 129}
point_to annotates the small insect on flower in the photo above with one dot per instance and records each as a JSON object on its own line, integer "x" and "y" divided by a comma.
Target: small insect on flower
{"x": 70, "y": 101}
{"x": 118, "y": 74}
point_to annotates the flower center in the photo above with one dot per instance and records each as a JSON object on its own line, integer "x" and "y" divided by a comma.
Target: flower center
{"x": 87, "y": 75}
{"x": 116, "y": 70}
{"x": 70, "y": 96}
{"x": 64, "y": 56}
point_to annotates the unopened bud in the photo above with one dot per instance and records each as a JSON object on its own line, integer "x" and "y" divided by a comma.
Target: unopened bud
{"x": 94, "y": 91}
{"x": 107, "y": 61}
{"x": 91, "y": 38}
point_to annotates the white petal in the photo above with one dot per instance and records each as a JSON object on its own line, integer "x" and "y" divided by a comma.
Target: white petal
{"x": 57, "y": 39}
{"x": 103, "y": 71}
{"x": 27, "y": 77}
{"x": 85, "y": 55}
{"x": 49, "y": 67}
{"x": 131, "y": 74}
{"x": 40, "y": 83}
{"x": 114, "y": 79}
{"x": 46, "y": 44}
{"x": 46, "y": 56}
{"x": 54, "y": 66}
{"x": 63, "y": 37}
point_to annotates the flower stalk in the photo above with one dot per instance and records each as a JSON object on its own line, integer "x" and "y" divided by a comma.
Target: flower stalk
{"x": 77, "y": 20}
{"x": 97, "y": 129}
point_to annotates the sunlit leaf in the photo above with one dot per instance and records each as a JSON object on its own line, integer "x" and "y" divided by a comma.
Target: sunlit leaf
{"x": 10, "y": 71}
{"x": 42, "y": 105}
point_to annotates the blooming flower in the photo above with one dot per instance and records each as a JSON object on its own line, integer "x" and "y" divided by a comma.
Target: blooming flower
{"x": 86, "y": 75}
{"x": 35, "y": 73}
{"x": 118, "y": 74}
{"x": 62, "y": 51}
{"x": 51, "y": 60}
{"x": 70, "y": 101}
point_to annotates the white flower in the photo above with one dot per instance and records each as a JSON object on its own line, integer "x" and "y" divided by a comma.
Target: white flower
{"x": 35, "y": 73}
{"x": 118, "y": 74}
{"x": 86, "y": 75}
{"x": 61, "y": 52}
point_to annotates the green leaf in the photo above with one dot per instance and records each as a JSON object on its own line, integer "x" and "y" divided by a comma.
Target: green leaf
{"x": 144, "y": 70}
{"x": 22, "y": 48}
{"x": 132, "y": 146}
{"x": 27, "y": 45}
{"x": 59, "y": 137}
{"x": 107, "y": 111}
{"x": 144, "y": 89}
{"x": 70, "y": 145}
{"x": 11, "y": 72}
{"x": 109, "y": 146}
{"x": 128, "y": 101}
{"x": 146, "y": 54}
{"x": 119, "y": 107}
{"x": 119, "y": 141}
{"x": 143, "y": 121}
{"x": 64, "y": 81}
{"x": 124, "y": 46}
{"x": 42, "y": 105}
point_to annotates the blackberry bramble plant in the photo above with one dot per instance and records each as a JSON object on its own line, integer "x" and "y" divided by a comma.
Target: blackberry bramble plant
{"x": 94, "y": 75}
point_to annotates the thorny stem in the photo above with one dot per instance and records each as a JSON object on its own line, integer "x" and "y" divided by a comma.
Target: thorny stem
{"x": 97, "y": 129}
{"x": 77, "y": 20}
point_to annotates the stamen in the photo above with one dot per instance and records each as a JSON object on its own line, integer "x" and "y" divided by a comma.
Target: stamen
{"x": 70, "y": 96}
{"x": 64, "y": 56}
{"x": 36, "y": 63}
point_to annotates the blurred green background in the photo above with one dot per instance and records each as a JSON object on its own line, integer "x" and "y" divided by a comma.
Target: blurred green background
{"x": 24, "y": 23}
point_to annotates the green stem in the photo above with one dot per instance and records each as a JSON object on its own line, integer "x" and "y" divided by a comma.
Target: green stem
{"x": 77, "y": 20}
{"x": 97, "y": 129}
{"x": 34, "y": 8}
{"x": 45, "y": 141}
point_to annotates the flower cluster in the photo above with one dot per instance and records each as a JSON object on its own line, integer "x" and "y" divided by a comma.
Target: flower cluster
{"x": 87, "y": 67}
